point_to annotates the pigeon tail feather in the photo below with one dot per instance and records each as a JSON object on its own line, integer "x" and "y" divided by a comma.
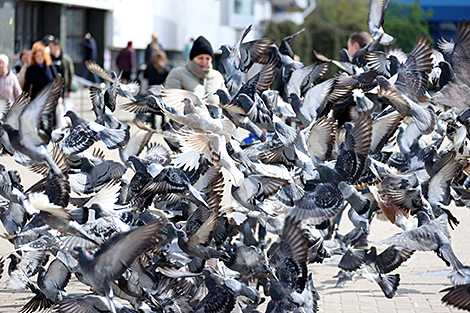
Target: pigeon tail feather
{"x": 389, "y": 285}
{"x": 424, "y": 118}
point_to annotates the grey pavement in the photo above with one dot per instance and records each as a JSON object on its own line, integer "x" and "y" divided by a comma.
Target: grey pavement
{"x": 422, "y": 277}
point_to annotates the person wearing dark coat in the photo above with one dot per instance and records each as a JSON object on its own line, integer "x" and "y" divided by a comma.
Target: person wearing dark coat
{"x": 125, "y": 62}
{"x": 151, "y": 49}
{"x": 91, "y": 53}
{"x": 40, "y": 71}
{"x": 158, "y": 70}
{"x": 156, "y": 73}
{"x": 63, "y": 63}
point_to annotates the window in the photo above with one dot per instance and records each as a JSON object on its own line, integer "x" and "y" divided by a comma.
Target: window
{"x": 244, "y": 7}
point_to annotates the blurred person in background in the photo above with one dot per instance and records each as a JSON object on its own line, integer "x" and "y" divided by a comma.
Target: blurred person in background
{"x": 22, "y": 60}
{"x": 197, "y": 75}
{"x": 40, "y": 71}
{"x": 63, "y": 63}
{"x": 64, "y": 66}
{"x": 187, "y": 50}
{"x": 91, "y": 54}
{"x": 9, "y": 86}
{"x": 156, "y": 73}
{"x": 158, "y": 70}
{"x": 152, "y": 48}
{"x": 125, "y": 62}
{"x": 357, "y": 41}
{"x": 25, "y": 57}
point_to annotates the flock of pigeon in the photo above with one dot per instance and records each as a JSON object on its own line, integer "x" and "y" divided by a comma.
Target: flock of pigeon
{"x": 369, "y": 140}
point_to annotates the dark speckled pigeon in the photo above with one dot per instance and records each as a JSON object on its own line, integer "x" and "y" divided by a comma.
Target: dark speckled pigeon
{"x": 335, "y": 185}
{"x": 85, "y": 133}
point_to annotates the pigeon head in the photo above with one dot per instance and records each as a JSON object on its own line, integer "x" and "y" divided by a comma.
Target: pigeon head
{"x": 348, "y": 126}
{"x": 74, "y": 118}
{"x": 98, "y": 210}
{"x": 431, "y": 157}
{"x": 405, "y": 184}
{"x": 383, "y": 82}
{"x": 445, "y": 66}
{"x": 423, "y": 218}
{"x": 345, "y": 55}
{"x": 14, "y": 175}
{"x": 223, "y": 95}
{"x": 135, "y": 161}
{"x": 188, "y": 106}
{"x": 113, "y": 75}
{"x": 86, "y": 165}
{"x": 225, "y": 52}
{"x": 181, "y": 235}
{"x": 394, "y": 63}
{"x": 294, "y": 99}
{"x": 276, "y": 290}
{"x": 372, "y": 254}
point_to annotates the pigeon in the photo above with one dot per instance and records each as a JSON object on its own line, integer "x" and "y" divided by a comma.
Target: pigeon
{"x": 85, "y": 133}
{"x": 196, "y": 116}
{"x": 238, "y": 116}
{"x": 172, "y": 181}
{"x": 430, "y": 235}
{"x": 112, "y": 259}
{"x": 294, "y": 289}
{"x": 241, "y": 57}
{"x": 124, "y": 90}
{"x": 51, "y": 284}
{"x": 89, "y": 303}
{"x": 196, "y": 245}
{"x": 213, "y": 147}
{"x": 377, "y": 266}
{"x": 453, "y": 93}
{"x": 31, "y": 138}
{"x": 57, "y": 217}
{"x": 326, "y": 199}
{"x": 375, "y": 21}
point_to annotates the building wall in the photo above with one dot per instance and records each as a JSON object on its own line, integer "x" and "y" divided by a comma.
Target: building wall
{"x": 177, "y": 21}
{"x": 114, "y": 22}
{"x": 7, "y": 27}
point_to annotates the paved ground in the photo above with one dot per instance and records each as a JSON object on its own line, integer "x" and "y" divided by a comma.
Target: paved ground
{"x": 422, "y": 277}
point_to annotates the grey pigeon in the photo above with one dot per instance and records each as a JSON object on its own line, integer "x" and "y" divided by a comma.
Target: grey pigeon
{"x": 124, "y": 90}
{"x": 377, "y": 266}
{"x": 51, "y": 285}
{"x": 89, "y": 304}
{"x": 454, "y": 93}
{"x": 102, "y": 109}
{"x": 197, "y": 244}
{"x": 375, "y": 21}
{"x": 430, "y": 235}
{"x": 32, "y": 132}
{"x": 9, "y": 191}
{"x": 114, "y": 257}
{"x": 240, "y": 58}
{"x": 57, "y": 217}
